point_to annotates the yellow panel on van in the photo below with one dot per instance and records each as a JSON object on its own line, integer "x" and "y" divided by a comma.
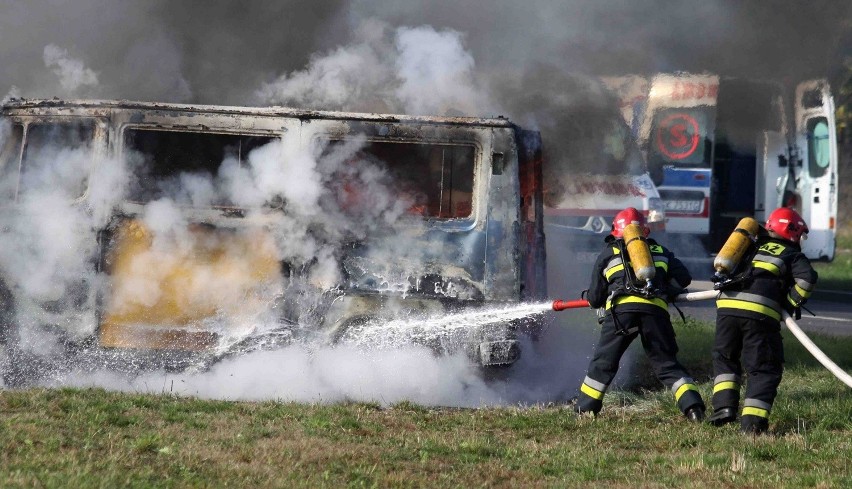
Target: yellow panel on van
{"x": 166, "y": 291}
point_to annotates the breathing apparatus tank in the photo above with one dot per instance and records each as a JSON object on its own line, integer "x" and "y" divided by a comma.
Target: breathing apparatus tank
{"x": 736, "y": 246}
{"x": 640, "y": 253}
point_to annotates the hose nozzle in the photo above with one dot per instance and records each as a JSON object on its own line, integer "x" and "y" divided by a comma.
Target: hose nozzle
{"x": 560, "y": 305}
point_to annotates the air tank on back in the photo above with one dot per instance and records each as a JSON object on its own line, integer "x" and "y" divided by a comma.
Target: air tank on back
{"x": 736, "y": 246}
{"x": 640, "y": 253}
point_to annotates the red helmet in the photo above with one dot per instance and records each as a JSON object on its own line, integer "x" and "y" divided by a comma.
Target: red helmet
{"x": 626, "y": 217}
{"x": 787, "y": 223}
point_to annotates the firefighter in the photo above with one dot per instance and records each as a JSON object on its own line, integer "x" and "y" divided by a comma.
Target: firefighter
{"x": 626, "y": 311}
{"x": 748, "y": 315}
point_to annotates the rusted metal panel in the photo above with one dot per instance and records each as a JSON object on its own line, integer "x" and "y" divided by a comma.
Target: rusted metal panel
{"x": 172, "y": 285}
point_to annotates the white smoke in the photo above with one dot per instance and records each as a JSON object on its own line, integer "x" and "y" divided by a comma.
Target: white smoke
{"x": 437, "y": 74}
{"x": 396, "y": 70}
{"x": 325, "y": 374}
{"x": 353, "y": 77}
{"x": 52, "y": 232}
{"x": 322, "y": 375}
{"x": 410, "y": 70}
{"x": 73, "y": 74}
{"x": 14, "y": 92}
{"x": 55, "y": 233}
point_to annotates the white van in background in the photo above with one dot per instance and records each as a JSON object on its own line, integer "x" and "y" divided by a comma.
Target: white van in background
{"x": 724, "y": 148}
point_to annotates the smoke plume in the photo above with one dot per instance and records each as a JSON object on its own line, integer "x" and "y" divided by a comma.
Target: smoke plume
{"x": 518, "y": 59}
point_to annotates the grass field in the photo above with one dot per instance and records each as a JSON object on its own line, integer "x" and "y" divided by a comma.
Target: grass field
{"x": 95, "y": 438}
{"x": 837, "y": 274}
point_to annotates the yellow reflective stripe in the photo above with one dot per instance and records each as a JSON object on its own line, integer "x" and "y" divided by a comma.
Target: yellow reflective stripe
{"x": 767, "y": 266}
{"x": 725, "y": 385}
{"x": 802, "y": 292}
{"x": 662, "y": 264}
{"x": 641, "y": 300}
{"x": 753, "y": 411}
{"x": 615, "y": 251}
{"x": 749, "y": 306}
{"x": 591, "y": 392}
{"x": 613, "y": 270}
{"x": 682, "y": 390}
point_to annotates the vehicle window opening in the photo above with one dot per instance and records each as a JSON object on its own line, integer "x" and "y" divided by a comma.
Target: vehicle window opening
{"x": 160, "y": 157}
{"x": 12, "y": 137}
{"x": 51, "y": 150}
{"x": 434, "y": 180}
{"x": 819, "y": 148}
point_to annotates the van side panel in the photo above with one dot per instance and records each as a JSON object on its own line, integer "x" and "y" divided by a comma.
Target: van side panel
{"x": 479, "y": 241}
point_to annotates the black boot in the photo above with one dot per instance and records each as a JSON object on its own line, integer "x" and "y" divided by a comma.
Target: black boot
{"x": 723, "y": 416}
{"x": 754, "y": 425}
{"x": 695, "y": 414}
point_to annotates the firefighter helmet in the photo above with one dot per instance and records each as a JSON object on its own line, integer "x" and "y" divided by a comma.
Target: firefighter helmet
{"x": 625, "y": 217}
{"x": 787, "y": 223}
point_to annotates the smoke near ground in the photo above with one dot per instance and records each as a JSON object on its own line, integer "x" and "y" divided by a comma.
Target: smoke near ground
{"x": 441, "y": 58}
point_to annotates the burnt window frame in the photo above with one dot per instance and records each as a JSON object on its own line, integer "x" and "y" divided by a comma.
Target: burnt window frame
{"x": 123, "y": 148}
{"x": 99, "y": 140}
{"x": 14, "y": 163}
{"x": 474, "y": 143}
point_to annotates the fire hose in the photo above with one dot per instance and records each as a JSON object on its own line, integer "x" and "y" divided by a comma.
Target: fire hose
{"x": 560, "y": 305}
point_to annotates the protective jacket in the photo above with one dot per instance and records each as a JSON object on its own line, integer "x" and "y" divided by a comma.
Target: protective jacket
{"x": 609, "y": 278}
{"x": 779, "y": 276}
{"x": 629, "y": 316}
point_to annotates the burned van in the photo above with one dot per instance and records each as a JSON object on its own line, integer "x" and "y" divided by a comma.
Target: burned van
{"x": 143, "y": 227}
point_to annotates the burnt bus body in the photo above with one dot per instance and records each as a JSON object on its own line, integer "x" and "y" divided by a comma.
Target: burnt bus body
{"x": 472, "y": 237}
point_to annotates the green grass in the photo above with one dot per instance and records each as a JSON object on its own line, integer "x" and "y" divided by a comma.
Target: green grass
{"x": 95, "y": 438}
{"x": 837, "y": 274}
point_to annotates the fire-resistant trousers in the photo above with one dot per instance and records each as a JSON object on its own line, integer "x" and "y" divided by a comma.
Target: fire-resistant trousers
{"x": 758, "y": 342}
{"x": 658, "y": 340}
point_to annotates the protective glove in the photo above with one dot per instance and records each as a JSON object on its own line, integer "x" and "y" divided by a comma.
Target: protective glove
{"x": 794, "y": 308}
{"x": 793, "y": 311}
{"x": 672, "y": 291}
